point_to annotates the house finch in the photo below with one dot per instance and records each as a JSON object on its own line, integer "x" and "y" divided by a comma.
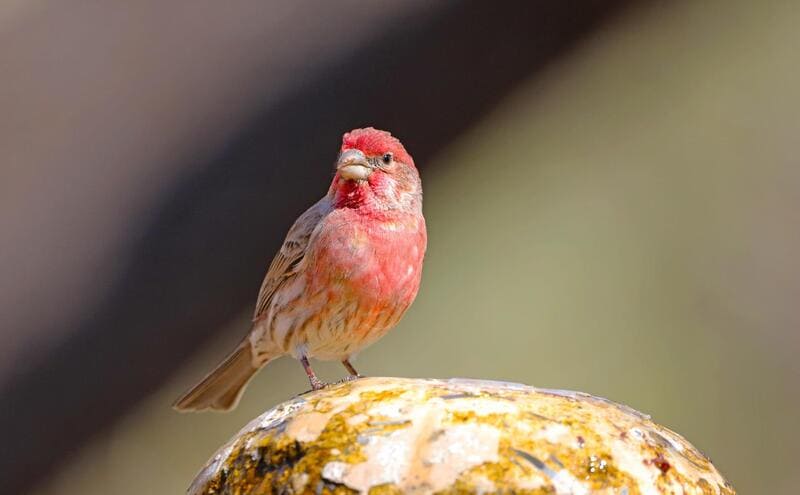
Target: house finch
{"x": 349, "y": 268}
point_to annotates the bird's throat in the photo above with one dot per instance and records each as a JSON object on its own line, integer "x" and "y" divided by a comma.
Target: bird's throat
{"x": 352, "y": 194}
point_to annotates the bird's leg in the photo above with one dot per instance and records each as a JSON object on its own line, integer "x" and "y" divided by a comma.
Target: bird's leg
{"x": 350, "y": 369}
{"x": 316, "y": 383}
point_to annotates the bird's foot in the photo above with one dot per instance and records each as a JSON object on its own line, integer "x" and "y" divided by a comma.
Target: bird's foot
{"x": 317, "y": 384}
{"x": 350, "y": 378}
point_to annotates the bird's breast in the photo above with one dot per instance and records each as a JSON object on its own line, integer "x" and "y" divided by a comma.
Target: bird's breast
{"x": 378, "y": 260}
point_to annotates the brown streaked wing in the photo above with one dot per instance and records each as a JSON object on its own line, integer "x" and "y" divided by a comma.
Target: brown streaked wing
{"x": 285, "y": 264}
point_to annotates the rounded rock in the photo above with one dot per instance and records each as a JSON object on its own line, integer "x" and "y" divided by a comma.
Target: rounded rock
{"x": 397, "y": 435}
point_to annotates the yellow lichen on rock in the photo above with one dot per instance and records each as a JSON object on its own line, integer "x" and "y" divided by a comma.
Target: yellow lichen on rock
{"x": 396, "y": 435}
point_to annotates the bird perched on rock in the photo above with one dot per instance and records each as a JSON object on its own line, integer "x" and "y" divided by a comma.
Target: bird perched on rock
{"x": 349, "y": 268}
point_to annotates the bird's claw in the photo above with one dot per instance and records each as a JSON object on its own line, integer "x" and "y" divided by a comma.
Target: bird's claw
{"x": 350, "y": 378}
{"x": 317, "y": 384}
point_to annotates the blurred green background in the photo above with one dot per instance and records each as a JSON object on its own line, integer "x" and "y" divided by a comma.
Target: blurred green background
{"x": 624, "y": 224}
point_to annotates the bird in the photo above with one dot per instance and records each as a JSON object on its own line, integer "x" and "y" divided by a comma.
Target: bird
{"x": 348, "y": 270}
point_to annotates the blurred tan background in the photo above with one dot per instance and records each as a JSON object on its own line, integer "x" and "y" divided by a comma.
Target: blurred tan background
{"x": 622, "y": 223}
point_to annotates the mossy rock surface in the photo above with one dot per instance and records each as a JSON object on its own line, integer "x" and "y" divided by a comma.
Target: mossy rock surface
{"x": 397, "y": 435}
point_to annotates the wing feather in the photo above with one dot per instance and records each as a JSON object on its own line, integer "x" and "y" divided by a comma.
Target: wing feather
{"x": 286, "y": 263}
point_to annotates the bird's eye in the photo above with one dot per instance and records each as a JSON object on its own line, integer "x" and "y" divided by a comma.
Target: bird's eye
{"x": 387, "y": 158}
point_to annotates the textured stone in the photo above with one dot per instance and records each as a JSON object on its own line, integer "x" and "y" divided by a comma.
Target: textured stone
{"x": 393, "y": 435}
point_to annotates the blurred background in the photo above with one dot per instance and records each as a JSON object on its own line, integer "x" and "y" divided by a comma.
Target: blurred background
{"x": 611, "y": 187}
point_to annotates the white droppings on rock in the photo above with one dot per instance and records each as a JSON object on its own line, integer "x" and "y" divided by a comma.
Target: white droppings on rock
{"x": 388, "y": 459}
{"x": 566, "y": 484}
{"x": 629, "y": 460}
{"x": 399, "y": 456}
{"x": 309, "y": 427}
{"x": 480, "y": 406}
{"x": 458, "y": 449}
{"x": 357, "y": 419}
{"x": 335, "y": 471}
{"x": 632, "y": 464}
{"x": 553, "y": 433}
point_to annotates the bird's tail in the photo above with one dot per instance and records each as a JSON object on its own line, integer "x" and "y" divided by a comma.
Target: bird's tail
{"x": 221, "y": 389}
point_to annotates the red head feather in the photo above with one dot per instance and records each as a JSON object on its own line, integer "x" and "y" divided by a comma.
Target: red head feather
{"x": 374, "y": 142}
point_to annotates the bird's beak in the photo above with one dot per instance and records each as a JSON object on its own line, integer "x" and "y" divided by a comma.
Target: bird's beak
{"x": 353, "y": 165}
